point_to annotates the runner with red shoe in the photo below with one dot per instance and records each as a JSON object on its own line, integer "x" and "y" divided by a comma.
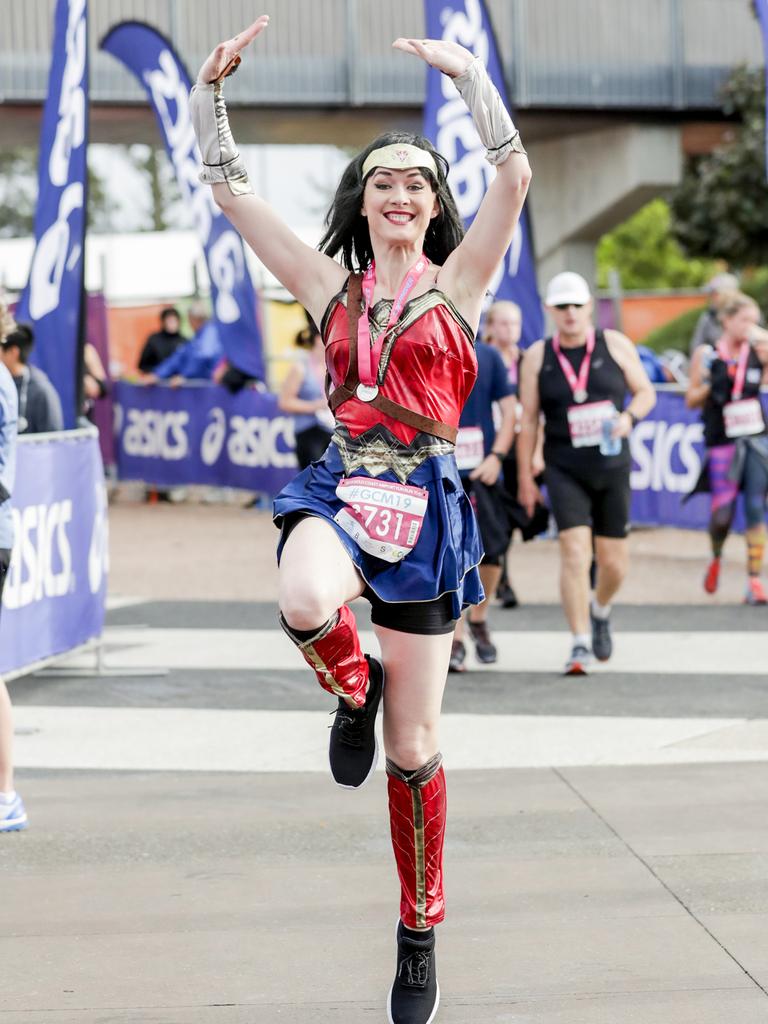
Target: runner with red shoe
{"x": 725, "y": 384}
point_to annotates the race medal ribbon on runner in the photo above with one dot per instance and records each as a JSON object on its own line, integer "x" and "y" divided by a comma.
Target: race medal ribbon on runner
{"x": 368, "y": 356}
{"x": 577, "y": 384}
{"x": 742, "y": 417}
{"x": 383, "y": 518}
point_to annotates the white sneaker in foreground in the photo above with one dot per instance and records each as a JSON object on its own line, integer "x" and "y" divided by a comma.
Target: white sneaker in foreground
{"x": 13, "y": 815}
{"x": 580, "y": 661}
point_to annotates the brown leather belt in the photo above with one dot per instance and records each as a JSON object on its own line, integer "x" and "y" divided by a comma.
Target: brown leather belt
{"x": 383, "y": 404}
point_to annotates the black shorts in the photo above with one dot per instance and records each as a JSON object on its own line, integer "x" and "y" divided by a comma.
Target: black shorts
{"x": 424, "y": 618}
{"x": 492, "y": 507}
{"x": 5, "y": 561}
{"x": 600, "y": 501}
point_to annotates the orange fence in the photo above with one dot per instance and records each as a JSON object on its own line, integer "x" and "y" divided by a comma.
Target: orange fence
{"x": 642, "y": 314}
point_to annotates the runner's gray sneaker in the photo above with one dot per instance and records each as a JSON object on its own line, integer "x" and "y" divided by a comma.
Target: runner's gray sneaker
{"x": 602, "y": 642}
{"x": 579, "y": 662}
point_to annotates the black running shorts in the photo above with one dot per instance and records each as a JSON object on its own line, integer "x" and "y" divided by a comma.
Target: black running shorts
{"x": 600, "y": 500}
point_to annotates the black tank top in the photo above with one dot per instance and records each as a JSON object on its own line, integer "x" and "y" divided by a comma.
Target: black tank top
{"x": 605, "y": 381}
{"x": 722, "y": 376}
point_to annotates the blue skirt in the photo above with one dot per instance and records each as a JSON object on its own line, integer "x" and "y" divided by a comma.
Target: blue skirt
{"x": 446, "y": 555}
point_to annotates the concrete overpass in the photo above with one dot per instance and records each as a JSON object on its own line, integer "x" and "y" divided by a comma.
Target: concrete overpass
{"x": 609, "y": 94}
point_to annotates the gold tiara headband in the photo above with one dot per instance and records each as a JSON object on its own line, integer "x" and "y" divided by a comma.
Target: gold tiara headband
{"x": 400, "y": 157}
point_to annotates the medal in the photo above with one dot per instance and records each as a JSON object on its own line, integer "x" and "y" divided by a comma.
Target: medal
{"x": 366, "y": 392}
{"x": 577, "y": 384}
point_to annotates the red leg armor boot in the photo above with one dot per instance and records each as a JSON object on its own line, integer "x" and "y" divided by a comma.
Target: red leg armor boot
{"x": 343, "y": 670}
{"x": 417, "y": 808}
{"x": 335, "y": 655}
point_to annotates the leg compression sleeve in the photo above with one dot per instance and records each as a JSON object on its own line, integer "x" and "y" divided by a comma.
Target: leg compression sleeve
{"x": 335, "y": 655}
{"x": 417, "y": 807}
{"x": 724, "y": 495}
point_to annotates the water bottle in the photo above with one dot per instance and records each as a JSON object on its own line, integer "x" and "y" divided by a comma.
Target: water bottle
{"x": 610, "y": 445}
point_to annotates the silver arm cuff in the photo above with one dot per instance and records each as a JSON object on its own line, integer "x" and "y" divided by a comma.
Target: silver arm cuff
{"x": 491, "y": 118}
{"x": 221, "y": 160}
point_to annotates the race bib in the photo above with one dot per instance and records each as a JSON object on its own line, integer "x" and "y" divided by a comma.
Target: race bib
{"x": 470, "y": 448}
{"x": 585, "y": 422}
{"x": 743, "y": 417}
{"x": 383, "y": 518}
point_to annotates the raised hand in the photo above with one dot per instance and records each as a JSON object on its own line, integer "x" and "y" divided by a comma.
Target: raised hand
{"x": 226, "y": 57}
{"x": 450, "y": 58}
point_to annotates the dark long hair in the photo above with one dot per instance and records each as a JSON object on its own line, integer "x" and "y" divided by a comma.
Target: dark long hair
{"x": 347, "y": 229}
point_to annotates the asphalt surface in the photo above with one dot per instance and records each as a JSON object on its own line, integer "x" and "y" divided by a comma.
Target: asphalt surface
{"x": 587, "y": 882}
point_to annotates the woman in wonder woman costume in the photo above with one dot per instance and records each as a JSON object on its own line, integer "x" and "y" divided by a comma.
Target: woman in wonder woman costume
{"x": 383, "y": 515}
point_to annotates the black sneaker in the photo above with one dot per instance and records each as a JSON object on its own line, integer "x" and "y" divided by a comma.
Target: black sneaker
{"x": 353, "y": 750}
{"x": 485, "y": 649}
{"x": 602, "y": 642}
{"x": 415, "y": 993}
{"x": 458, "y": 657}
{"x": 506, "y": 595}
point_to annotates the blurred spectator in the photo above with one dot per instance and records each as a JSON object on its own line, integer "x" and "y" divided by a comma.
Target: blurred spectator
{"x": 13, "y": 816}
{"x": 303, "y": 394}
{"x": 158, "y": 347}
{"x": 708, "y": 329}
{"x": 95, "y": 379}
{"x": 198, "y": 358}
{"x": 39, "y": 405}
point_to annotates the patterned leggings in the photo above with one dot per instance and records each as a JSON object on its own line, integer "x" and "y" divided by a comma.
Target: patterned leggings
{"x": 754, "y": 484}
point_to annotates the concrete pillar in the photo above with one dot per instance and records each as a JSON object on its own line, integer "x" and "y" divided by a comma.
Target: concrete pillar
{"x": 586, "y": 184}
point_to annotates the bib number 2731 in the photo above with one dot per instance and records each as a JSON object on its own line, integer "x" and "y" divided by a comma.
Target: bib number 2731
{"x": 382, "y": 517}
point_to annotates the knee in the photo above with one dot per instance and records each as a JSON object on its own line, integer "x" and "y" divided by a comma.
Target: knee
{"x": 413, "y": 748}
{"x": 575, "y": 558}
{"x": 614, "y": 565}
{"x": 306, "y": 605}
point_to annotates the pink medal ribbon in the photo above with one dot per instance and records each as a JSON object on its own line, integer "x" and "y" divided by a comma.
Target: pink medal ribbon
{"x": 368, "y": 356}
{"x": 578, "y": 385}
{"x": 741, "y": 367}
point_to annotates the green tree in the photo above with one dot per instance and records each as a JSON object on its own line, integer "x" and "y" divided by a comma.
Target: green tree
{"x": 160, "y": 179}
{"x": 18, "y": 195}
{"x": 646, "y": 255}
{"x": 720, "y": 209}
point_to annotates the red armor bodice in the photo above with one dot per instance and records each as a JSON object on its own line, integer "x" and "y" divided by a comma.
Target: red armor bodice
{"x": 428, "y": 364}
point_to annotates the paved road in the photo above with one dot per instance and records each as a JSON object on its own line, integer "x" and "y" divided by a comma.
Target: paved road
{"x": 189, "y": 861}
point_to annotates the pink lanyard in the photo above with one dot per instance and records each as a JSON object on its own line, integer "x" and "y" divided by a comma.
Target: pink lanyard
{"x": 512, "y": 373}
{"x": 578, "y": 385}
{"x": 368, "y": 356}
{"x": 741, "y": 367}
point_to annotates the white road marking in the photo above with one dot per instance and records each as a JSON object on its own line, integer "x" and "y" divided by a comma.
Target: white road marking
{"x": 174, "y": 739}
{"x": 671, "y": 653}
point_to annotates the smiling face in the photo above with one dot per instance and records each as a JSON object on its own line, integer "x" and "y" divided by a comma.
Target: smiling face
{"x": 399, "y": 206}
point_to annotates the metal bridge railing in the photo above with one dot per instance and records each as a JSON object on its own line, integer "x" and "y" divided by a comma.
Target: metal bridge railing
{"x": 652, "y": 54}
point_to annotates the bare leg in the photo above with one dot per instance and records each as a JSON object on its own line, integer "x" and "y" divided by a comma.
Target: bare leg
{"x": 612, "y": 555}
{"x": 317, "y": 575}
{"x": 489, "y": 577}
{"x": 575, "y": 559}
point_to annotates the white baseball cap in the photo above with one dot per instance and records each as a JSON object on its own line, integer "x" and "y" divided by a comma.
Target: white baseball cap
{"x": 567, "y": 288}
